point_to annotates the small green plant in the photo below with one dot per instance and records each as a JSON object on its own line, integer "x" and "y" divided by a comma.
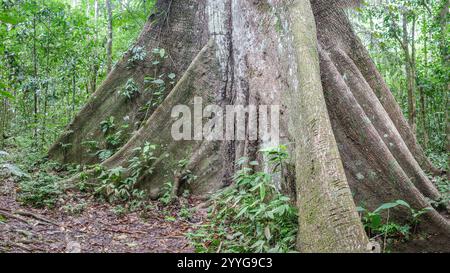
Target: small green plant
{"x": 157, "y": 86}
{"x": 107, "y": 125}
{"x": 104, "y": 154}
{"x": 141, "y": 164}
{"x": 74, "y": 209}
{"x": 91, "y": 145}
{"x": 376, "y": 227}
{"x": 119, "y": 210}
{"x": 276, "y": 156}
{"x": 116, "y": 188}
{"x": 113, "y": 139}
{"x": 82, "y": 185}
{"x": 187, "y": 176}
{"x": 137, "y": 54}
{"x": 160, "y": 55}
{"x": 112, "y": 184}
{"x": 130, "y": 89}
{"x": 166, "y": 198}
{"x": 185, "y": 213}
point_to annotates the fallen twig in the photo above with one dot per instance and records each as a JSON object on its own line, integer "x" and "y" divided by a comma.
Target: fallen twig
{"x": 19, "y": 245}
{"x": 38, "y": 217}
{"x": 123, "y": 231}
{"x": 10, "y": 215}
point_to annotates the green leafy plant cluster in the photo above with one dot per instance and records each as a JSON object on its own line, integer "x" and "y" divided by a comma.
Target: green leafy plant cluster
{"x": 160, "y": 55}
{"x": 130, "y": 90}
{"x": 74, "y": 209}
{"x": 186, "y": 176}
{"x": 114, "y": 138}
{"x": 276, "y": 156}
{"x": 119, "y": 185}
{"x": 376, "y": 226}
{"x": 166, "y": 197}
{"x": 251, "y": 215}
{"x": 40, "y": 191}
{"x": 157, "y": 84}
{"x": 443, "y": 185}
{"x": 137, "y": 54}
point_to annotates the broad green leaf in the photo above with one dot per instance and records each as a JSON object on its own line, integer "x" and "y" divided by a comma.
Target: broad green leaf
{"x": 386, "y": 206}
{"x": 360, "y": 209}
{"x": 262, "y": 191}
{"x": 403, "y": 203}
{"x": 375, "y": 221}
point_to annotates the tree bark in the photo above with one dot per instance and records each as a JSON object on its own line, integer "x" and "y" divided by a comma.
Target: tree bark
{"x": 410, "y": 75}
{"x": 345, "y": 132}
{"x": 109, "y": 41}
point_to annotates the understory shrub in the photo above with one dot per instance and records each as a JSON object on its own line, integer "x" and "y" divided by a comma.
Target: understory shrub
{"x": 249, "y": 216}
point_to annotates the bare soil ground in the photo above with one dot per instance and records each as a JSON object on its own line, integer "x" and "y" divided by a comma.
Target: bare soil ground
{"x": 92, "y": 227}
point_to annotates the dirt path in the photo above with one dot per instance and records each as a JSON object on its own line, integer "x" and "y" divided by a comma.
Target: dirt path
{"x": 83, "y": 224}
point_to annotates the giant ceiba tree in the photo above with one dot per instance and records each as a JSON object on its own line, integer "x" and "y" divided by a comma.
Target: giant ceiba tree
{"x": 348, "y": 140}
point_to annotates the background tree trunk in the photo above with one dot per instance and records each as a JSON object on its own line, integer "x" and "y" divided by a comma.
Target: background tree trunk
{"x": 410, "y": 73}
{"x": 109, "y": 41}
{"x": 345, "y": 132}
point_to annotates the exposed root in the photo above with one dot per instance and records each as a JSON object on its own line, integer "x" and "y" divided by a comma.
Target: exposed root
{"x": 14, "y": 214}
{"x": 36, "y": 216}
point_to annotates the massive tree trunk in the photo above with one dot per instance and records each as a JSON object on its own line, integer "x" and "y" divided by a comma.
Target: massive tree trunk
{"x": 347, "y": 138}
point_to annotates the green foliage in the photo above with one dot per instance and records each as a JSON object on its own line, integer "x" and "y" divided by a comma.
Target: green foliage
{"x": 160, "y": 55}
{"x": 130, "y": 89}
{"x": 41, "y": 191}
{"x": 166, "y": 197}
{"x": 440, "y": 160}
{"x": 113, "y": 139}
{"x": 276, "y": 156}
{"x": 141, "y": 165}
{"x": 9, "y": 18}
{"x": 380, "y": 27}
{"x": 250, "y": 216}
{"x": 74, "y": 209}
{"x": 119, "y": 185}
{"x": 107, "y": 125}
{"x": 187, "y": 176}
{"x": 113, "y": 185}
{"x": 376, "y": 226}
{"x": 53, "y": 57}
{"x": 443, "y": 185}
{"x": 185, "y": 213}
{"x": 137, "y": 54}
{"x": 119, "y": 210}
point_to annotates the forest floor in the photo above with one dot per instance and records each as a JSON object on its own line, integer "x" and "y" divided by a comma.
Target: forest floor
{"x": 82, "y": 223}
